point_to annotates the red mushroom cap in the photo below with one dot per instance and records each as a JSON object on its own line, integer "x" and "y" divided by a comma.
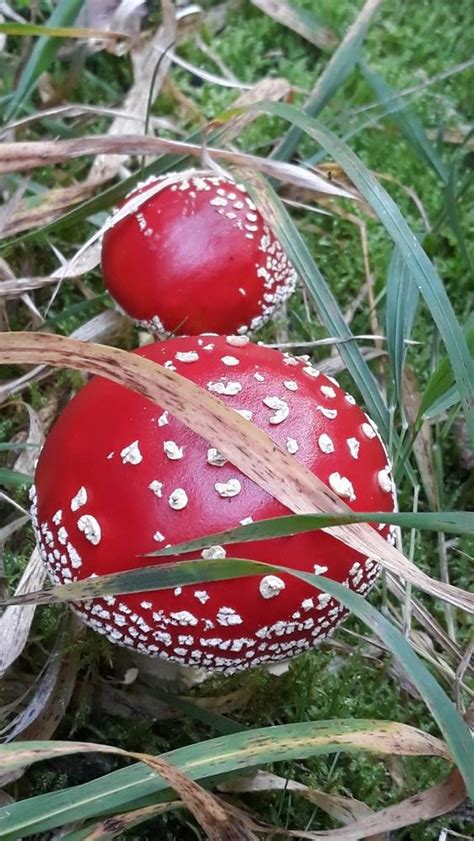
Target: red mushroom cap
{"x": 132, "y": 479}
{"x": 196, "y": 257}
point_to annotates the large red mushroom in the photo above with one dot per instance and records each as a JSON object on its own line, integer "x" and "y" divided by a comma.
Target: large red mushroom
{"x": 196, "y": 256}
{"x": 119, "y": 477}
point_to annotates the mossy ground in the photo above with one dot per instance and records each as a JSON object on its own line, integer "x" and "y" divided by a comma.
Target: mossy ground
{"x": 408, "y": 44}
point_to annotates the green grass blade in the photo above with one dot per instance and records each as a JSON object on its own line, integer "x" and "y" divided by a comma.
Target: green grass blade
{"x": 420, "y": 267}
{"x": 408, "y": 124}
{"x": 440, "y": 385}
{"x": 448, "y": 522}
{"x": 42, "y": 54}
{"x": 400, "y": 310}
{"x": 13, "y": 479}
{"x": 332, "y": 78}
{"x": 328, "y": 308}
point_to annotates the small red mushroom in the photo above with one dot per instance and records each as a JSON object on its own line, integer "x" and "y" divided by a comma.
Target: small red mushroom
{"x": 196, "y": 257}
{"x": 132, "y": 479}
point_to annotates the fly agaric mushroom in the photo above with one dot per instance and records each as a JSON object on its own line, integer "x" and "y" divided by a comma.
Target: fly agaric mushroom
{"x": 133, "y": 479}
{"x": 196, "y": 257}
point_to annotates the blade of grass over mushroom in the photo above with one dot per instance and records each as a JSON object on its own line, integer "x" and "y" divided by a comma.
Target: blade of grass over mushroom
{"x": 282, "y": 224}
{"x": 408, "y": 124}
{"x": 250, "y": 449}
{"x": 134, "y": 786}
{"x": 42, "y": 54}
{"x": 449, "y": 522}
{"x": 402, "y": 297}
{"x": 421, "y": 269}
{"x": 333, "y": 76}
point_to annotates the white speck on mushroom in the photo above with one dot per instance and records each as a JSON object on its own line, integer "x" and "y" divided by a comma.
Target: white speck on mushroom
{"x": 323, "y": 600}
{"x": 237, "y": 341}
{"x": 177, "y": 591}
{"x": 184, "y": 617}
{"x": 312, "y": 372}
{"x": 319, "y": 570}
{"x": 131, "y": 454}
{"x": 246, "y": 521}
{"x": 218, "y": 201}
{"x": 385, "y": 480}
{"x": 245, "y": 413}
{"x": 354, "y": 446}
{"x": 228, "y": 616}
{"x": 74, "y": 556}
{"x": 178, "y": 499}
{"x": 307, "y": 604}
{"x": 230, "y": 361}
{"x": 259, "y": 377}
{"x": 292, "y": 446}
{"x": 349, "y": 398}
{"x": 158, "y": 537}
{"x": 342, "y": 486}
{"x": 213, "y": 553}
{"x": 325, "y": 444}
{"x": 282, "y": 410}
{"x": 368, "y": 430}
{"x": 90, "y": 528}
{"x": 202, "y": 596}
{"x": 229, "y": 389}
{"x": 110, "y": 455}
{"x": 57, "y": 517}
{"x": 62, "y": 535}
{"x": 156, "y": 487}
{"x": 328, "y": 413}
{"x": 271, "y": 586}
{"x": 173, "y": 452}
{"x": 163, "y": 419}
{"x": 215, "y": 458}
{"x": 228, "y": 489}
{"x": 290, "y": 385}
{"x": 187, "y": 356}
{"x": 328, "y": 391}
{"x": 79, "y": 500}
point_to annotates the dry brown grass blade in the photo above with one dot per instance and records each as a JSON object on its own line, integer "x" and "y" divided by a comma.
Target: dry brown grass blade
{"x": 243, "y": 444}
{"x": 343, "y": 809}
{"x": 431, "y": 803}
{"x": 208, "y": 811}
{"x": 15, "y": 622}
{"x": 34, "y": 154}
{"x": 284, "y": 13}
{"x": 25, "y": 463}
